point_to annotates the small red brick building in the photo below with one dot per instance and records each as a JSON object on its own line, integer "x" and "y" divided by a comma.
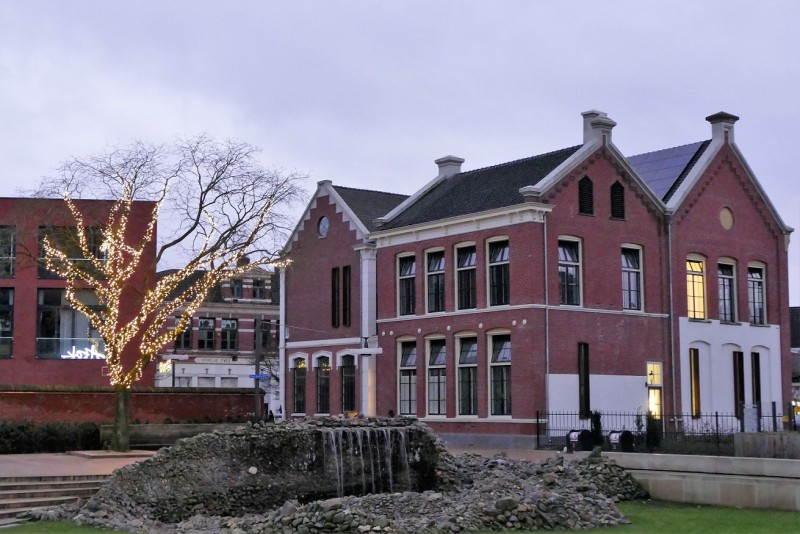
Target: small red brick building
{"x": 573, "y": 281}
{"x": 43, "y": 341}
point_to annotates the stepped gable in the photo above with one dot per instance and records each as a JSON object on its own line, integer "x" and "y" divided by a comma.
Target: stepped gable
{"x": 480, "y": 189}
{"x": 369, "y": 205}
{"x": 664, "y": 170}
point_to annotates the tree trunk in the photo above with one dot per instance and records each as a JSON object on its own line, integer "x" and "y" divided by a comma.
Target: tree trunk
{"x": 121, "y": 438}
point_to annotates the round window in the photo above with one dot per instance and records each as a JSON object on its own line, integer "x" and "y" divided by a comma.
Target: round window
{"x": 726, "y": 218}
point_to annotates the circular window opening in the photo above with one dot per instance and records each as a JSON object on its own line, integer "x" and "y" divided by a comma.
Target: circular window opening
{"x": 726, "y": 218}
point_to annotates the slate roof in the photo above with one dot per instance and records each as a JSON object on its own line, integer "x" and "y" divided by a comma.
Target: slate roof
{"x": 480, "y": 189}
{"x": 664, "y": 170}
{"x": 215, "y": 295}
{"x": 369, "y": 205}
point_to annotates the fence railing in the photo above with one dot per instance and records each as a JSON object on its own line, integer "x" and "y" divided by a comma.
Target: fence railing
{"x": 710, "y": 433}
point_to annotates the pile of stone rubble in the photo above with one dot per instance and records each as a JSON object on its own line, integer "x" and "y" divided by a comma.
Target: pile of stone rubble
{"x": 473, "y": 493}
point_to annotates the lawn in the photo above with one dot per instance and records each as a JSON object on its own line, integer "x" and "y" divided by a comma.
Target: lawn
{"x": 647, "y": 517}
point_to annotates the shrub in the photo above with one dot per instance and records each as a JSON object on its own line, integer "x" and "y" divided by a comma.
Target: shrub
{"x": 29, "y": 437}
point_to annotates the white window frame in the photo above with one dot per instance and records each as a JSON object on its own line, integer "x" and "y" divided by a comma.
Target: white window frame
{"x": 413, "y": 386}
{"x": 493, "y": 365}
{"x": 458, "y": 270}
{"x": 441, "y": 389}
{"x": 763, "y": 283}
{"x": 459, "y": 366}
{"x": 640, "y": 250}
{"x": 704, "y": 284}
{"x": 441, "y": 273}
{"x": 400, "y": 277}
{"x": 490, "y": 264}
{"x": 578, "y": 264}
{"x": 734, "y": 293}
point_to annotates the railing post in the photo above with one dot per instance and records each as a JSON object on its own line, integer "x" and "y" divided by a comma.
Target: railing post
{"x": 774, "y": 417}
{"x": 716, "y": 430}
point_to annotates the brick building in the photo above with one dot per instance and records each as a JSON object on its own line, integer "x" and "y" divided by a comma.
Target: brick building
{"x": 573, "y": 281}
{"x": 235, "y": 326}
{"x": 43, "y": 341}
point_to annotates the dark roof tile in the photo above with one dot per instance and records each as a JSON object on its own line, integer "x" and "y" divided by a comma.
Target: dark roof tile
{"x": 369, "y": 205}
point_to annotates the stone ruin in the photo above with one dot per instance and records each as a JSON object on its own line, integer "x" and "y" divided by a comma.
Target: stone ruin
{"x": 348, "y": 475}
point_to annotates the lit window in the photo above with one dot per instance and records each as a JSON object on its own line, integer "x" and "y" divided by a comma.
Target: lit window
{"x": 405, "y": 281}
{"x": 323, "y": 385}
{"x": 694, "y": 375}
{"x": 500, "y": 374}
{"x": 696, "y": 289}
{"x": 631, "y": 279}
{"x": 468, "y": 376}
{"x": 437, "y": 377}
{"x": 435, "y": 280}
{"x": 408, "y": 378}
{"x": 466, "y": 277}
{"x": 654, "y": 383}
{"x": 755, "y": 292}
{"x": 499, "y": 282}
{"x": 726, "y": 284}
{"x": 569, "y": 272}
{"x": 299, "y": 380}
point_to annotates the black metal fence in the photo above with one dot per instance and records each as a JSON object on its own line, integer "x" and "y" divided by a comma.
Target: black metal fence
{"x": 640, "y": 432}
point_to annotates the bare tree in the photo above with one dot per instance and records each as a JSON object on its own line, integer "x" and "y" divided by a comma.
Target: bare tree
{"x": 216, "y": 203}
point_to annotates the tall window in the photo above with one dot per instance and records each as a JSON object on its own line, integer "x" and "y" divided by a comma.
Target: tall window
{"x": 738, "y": 383}
{"x": 584, "y": 403}
{"x": 755, "y": 293}
{"x": 654, "y": 383}
{"x": 63, "y": 332}
{"x": 6, "y": 322}
{"x": 468, "y": 376}
{"x": 405, "y": 282}
{"x": 259, "y": 289}
{"x": 585, "y": 196}
{"x": 264, "y": 341}
{"x": 237, "y": 289}
{"x": 299, "y": 380}
{"x": 323, "y": 385}
{"x": 435, "y": 280}
{"x": 205, "y": 333}
{"x": 184, "y": 340}
{"x": 726, "y": 283}
{"x": 348, "y": 371}
{"x": 696, "y": 288}
{"x": 694, "y": 376}
{"x": 631, "y": 279}
{"x": 67, "y": 240}
{"x": 755, "y": 370}
{"x": 465, "y": 277}
{"x": 500, "y": 374}
{"x": 617, "y": 201}
{"x": 569, "y": 272}
{"x": 499, "y": 282}
{"x": 229, "y": 336}
{"x": 335, "y": 296}
{"x": 7, "y": 251}
{"x": 437, "y": 377}
{"x": 408, "y": 378}
{"x": 346, "y": 295}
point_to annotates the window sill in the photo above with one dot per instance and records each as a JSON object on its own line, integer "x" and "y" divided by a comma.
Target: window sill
{"x": 759, "y": 325}
{"x": 623, "y": 219}
{"x": 730, "y": 323}
{"x": 699, "y": 320}
{"x": 586, "y": 214}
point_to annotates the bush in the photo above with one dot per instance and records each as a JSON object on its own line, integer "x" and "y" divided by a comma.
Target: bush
{"x": 29, "y": 437}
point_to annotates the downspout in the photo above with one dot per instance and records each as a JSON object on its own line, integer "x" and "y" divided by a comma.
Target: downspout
{"x": 671, "y": 317}
{"x": 546, "y": 323}
{"x": 282, "y": 344}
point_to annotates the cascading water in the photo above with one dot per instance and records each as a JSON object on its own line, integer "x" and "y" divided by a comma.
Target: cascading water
{"x": 366, "y": 460}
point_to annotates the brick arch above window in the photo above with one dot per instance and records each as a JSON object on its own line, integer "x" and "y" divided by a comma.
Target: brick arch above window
{"x": 297, "y": 356}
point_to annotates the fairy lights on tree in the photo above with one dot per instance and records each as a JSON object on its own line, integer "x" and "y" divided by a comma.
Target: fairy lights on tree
{"x": 213, "y": 205}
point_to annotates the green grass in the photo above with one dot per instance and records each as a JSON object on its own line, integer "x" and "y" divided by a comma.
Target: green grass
{"x": 647, "y": 517}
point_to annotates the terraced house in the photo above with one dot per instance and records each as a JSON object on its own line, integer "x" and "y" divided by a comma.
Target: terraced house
{"x": 576, "y": 280}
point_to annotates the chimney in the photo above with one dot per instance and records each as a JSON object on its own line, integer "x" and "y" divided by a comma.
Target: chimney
{"x": 449, "y": 165}
{"x": 597, "y": 126}
{"x": 722, "y": 126}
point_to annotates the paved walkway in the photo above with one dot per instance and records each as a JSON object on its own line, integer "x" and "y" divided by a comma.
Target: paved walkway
{"x": 105, "y": 462}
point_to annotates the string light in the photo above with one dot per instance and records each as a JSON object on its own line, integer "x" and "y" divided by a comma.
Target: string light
{"x": 111, "y": 271}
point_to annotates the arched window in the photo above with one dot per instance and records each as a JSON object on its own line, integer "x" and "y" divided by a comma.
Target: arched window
{"x": 585, "y": 196}
{"x": 323, "y": 385}
{"x": 299, "y": 379}
{"x": 617, "y": 201}
{"x": 348, "y": 370}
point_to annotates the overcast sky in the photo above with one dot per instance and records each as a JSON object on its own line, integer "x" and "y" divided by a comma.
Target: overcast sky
{"x": 368, "y": 94}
